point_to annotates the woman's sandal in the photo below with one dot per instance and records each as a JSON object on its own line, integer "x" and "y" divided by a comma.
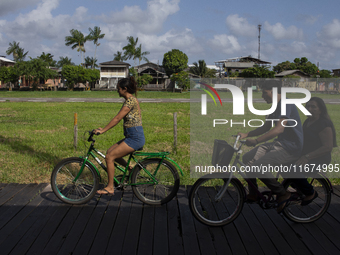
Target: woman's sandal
{"x": 106, "y": 192}
{"x": 307, "y": 202}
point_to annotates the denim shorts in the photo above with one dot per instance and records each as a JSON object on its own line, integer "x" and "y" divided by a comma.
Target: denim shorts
{"x": 134, "y": 137}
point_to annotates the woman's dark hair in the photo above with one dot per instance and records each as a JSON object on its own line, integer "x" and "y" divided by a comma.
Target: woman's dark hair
{"x": 130, "y": 84}
{"x": 324, "y": 114}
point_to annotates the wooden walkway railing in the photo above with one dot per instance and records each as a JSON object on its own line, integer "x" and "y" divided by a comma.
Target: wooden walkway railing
{"x": 34, "y": 221}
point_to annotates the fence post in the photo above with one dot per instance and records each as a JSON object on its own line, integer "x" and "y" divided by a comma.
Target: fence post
{"x": 175, "y": 132}
{"x": 75, "y": 135}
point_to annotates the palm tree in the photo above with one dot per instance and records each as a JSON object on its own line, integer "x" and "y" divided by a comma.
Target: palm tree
{"x": 76, "y": 40}
{"x": 94, "y": 36}
{"x": 13, "y": 49}
{"x": 90, "y": 61}
{"x": 130, "y": 49}
{"x": 141, "y": 55}
{"x": 21, "y": 55}
{"x": 119, "y": 56}
{"x": 48, "y": 58}
{"x": 64, "y": 61}
{"x": 199, "y": 69}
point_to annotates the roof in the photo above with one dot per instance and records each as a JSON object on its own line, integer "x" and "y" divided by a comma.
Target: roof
{"x": 114, "y": 62}
{"x": 6, "y": 60}
{"x": 291, "y": 72}
{"x": 239, "y": 59}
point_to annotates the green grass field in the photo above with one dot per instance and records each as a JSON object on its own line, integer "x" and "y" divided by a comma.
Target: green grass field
{"x": 35, "y": 136}
{"x": 140, "y": 94}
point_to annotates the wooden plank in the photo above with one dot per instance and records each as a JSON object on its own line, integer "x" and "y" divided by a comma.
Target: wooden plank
{"x": 18, "y": 202}
{"x": 72, "y": 238}
{"x": 2, "y": 186}
{"x": 217, "y": 234}
{"x": 274, "y": 234}
{"x": 259, "y": 232}
{"x": 115, "y": 244}
{"x": 230, "y": 232}
{"x": 160, "y": 240}
{"x": 15, "y": 221}
{"x": 34, "y": 223}
{"x": 18, "y": 237}
{"x": 7, "y": 187}
{"x": 190, "y": 242}
{"x": 56, "y": 213}
{"x": 133, "y": 229}
{"x": 8, "y": 192}
{"x": 287, "y": 232}
{"x": 175, "y": 238}
{"x": 334, "y": 209}
{"x": 203, "y": 233}
{"x": 58, "y": 238}
{"x": 145, "y": 245}
{"x": 103, "y": 234}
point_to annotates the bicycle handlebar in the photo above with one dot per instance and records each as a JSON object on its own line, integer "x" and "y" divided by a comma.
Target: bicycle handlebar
{"x": 92, "y": 133}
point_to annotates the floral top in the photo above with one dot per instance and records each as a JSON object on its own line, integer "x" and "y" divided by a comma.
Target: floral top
{"x": 134, "y": 117}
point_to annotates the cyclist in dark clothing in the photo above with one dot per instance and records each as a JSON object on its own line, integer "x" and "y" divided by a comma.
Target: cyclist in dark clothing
{"x": 319, "y": 140}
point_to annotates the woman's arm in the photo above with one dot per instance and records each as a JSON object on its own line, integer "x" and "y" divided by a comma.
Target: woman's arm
{"x": 326, "y": 137}
{"x": 121, "y": 114}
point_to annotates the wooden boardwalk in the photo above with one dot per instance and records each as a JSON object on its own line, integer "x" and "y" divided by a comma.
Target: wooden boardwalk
{"x": 33, "y": 221}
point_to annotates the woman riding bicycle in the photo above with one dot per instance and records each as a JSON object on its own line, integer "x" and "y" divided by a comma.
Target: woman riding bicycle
{"x": 319, "y": 140}
{"x": 133, "y": 130}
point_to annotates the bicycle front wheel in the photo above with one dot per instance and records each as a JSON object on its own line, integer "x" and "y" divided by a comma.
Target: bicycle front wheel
{"x": 155, "y": 183}
{"x": 70, "y": 189}
{"x": 210, "y": 206}
{"x": 313, "y": 211}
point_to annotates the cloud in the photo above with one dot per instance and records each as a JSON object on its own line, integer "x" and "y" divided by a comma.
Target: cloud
{"x": 147, "y": 21}
{"x": 330, "y": 34}
{"x": 240, "y": 27}
{"x": 10, "y": 6}
{"x": 308, "y": 19}
{"x": 279, "y": 32}
{"x": 227, "y": 44}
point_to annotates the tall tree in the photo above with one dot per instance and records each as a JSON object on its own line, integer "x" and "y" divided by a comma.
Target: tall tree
{"x": 119, "y": 56}
{"x": 13, "y": 49}
{"x": 257, "y": 72}
{"x": 141, "y": 55}
{"x": 95, "y": 35}
{"x": 174, "y": 61}
{"x": 199, "y": 69}
{"x": 64, "y": 61}
{"x": 21, "y": 54}
{"x": 90, "y": 61}
{"x": 48, "y": 58}
{"x": 77, "y": 40}
{"x": 302, "y": 64}
{"x": 130, "y": 49}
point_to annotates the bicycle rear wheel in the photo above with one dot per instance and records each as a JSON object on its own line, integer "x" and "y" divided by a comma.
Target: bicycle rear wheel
{"x": 66, "y": 188}
{"x": 313, "y": 211}
{"x": 149, "y": 191}
{"x": 210, "y": 211}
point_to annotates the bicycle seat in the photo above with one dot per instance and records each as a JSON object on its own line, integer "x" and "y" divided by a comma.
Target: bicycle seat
{"x": 140, "y": 149}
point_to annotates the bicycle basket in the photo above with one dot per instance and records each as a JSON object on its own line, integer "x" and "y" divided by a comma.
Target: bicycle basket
{"x": 222, "y": 153}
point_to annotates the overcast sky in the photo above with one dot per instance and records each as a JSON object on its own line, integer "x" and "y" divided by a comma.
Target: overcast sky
{"x": 210, "y": 30}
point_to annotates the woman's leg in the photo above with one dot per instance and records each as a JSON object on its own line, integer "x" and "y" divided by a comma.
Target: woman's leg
{"x": 114, "y": 152}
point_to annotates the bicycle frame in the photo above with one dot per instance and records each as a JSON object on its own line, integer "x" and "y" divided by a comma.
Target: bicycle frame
{"x": 237, "y": 161}
{"x": 93, "y": 152}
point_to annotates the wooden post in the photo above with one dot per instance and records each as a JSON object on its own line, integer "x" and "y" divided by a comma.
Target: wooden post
{"x": 75, "y": 136}
{"x": 175, "y": 132}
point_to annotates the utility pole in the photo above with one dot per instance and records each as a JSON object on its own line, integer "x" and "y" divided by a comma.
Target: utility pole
{"x": 259, "y": 27}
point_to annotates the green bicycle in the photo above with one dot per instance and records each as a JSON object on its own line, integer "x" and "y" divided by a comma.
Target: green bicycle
{"x": 154, "y": 179}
